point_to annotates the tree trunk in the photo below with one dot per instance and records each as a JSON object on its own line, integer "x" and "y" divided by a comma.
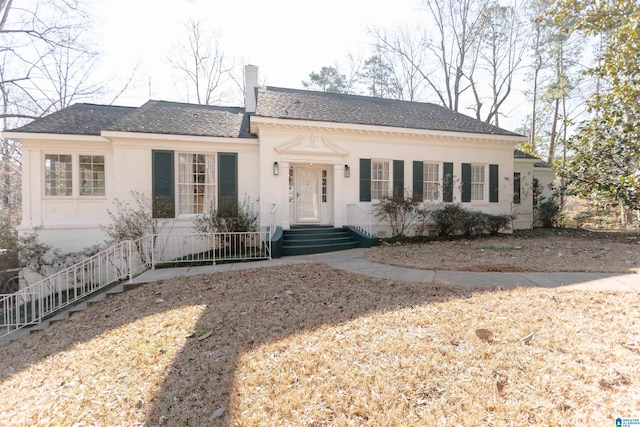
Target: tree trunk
{"x": 554, "y": 132}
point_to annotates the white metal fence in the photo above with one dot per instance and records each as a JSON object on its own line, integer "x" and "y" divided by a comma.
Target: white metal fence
{"x": 122, "y": 261}
{"x": 177, "y": 249}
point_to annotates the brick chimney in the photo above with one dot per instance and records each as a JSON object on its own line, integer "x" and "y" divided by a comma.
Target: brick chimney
{"x": 250, "y": 85}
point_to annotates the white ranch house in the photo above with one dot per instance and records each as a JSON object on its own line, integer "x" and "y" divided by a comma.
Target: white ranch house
{"x": 315, "y": 156}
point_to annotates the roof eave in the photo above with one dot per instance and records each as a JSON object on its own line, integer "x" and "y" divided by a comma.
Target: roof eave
{"x": 111, "y": 134}
{"x": 255, "y": 121}
{"x": 19, "y": 136}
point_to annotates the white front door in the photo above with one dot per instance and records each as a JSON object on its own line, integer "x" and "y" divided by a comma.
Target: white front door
{"x": 307, "y": 195}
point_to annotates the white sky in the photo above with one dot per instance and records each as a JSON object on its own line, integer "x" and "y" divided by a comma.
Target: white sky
{"x": 286, "y": 39}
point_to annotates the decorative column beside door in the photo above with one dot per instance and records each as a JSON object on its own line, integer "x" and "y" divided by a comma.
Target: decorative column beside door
{"x": 338, "y": 202}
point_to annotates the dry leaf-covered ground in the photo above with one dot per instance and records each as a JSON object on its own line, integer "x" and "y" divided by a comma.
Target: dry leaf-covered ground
{"x": 307, "y": 345}
{"x": 537, "y": 250}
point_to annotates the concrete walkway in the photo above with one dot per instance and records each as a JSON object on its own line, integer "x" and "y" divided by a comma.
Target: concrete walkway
{"x": 353, "y": 260}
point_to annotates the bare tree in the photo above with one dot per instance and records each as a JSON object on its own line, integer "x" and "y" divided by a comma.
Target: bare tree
{"x": 403, "y": 55}
{"x": 45, "y": 65}
{"x": 537, "y": 47}
{"x": 451, "y": 45}
{"x": 501, "y": 47}
{"x": 203, "y": 65}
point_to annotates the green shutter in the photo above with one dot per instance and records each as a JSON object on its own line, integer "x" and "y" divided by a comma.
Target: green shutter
{"x": 447, "y": 182}
{"x": 418, "y": 179}
{"x": 365, "y": 180}
{"x": 228, "y": 184}
{"x": 398, "y": 178}
{"x": 493, "y": 183}
{"x": 162, "y": 190}
{"x": 466, "y": 182}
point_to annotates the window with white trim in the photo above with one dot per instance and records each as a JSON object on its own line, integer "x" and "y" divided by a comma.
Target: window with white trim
{"x": 477, "y": 182}
{"x": 324, "y": 186}
{"x": 58, "y": 175}
{"x": 431, "y": 182}
{"x": 196, "y": 183}
{"x": 73, "y": 175}
{"x": 92, "y": 176}
{"x": 379, "y": 179}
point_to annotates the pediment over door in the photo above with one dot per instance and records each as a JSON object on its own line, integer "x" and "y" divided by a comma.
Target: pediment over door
{"x": 311, "y": 145}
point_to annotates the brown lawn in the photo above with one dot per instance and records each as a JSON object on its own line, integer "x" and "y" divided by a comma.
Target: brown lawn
{"x": 537, "y": 250}
{"x": 308, "y": 345}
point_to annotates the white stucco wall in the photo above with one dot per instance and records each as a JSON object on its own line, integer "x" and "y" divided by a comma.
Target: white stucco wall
{"x": 74, "y": 223}
{"x": 335, "y": 146}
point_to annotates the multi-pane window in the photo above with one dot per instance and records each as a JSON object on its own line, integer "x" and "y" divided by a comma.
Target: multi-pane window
{"x": 379, "y": 179}
{"x": 91, "y": 175}
{"x": 516, "y": 187}
{"x": 324, "y": 186}
{"x": 196, "y": 183}
{"x": 58, "y": 176}
{"x": 477, "y": 182}
{"x": 291, "y": 184}
{"x": 431, "y": 182}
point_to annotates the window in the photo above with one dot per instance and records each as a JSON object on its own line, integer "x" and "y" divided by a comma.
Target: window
{"x": 58, "y": 176}
{"x": 431, "y": 182}
{"x": 59, "y": 171}
{"x": 290, "y": 184}
{"x": 196, "y": 182}
{"x": 324, "y": 186}
{"x": 379, "y": 179}
{"x": 516, "y": 188}
{"x": 477, "y": 182}
{"x": 91, "y": 175}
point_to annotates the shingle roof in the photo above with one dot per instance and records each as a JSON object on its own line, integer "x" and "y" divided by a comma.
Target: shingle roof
{"x": 78, "y": 119}
{"x": 174, "y": 118}
{"x": 340, "y": 108}
{"x": 160, "y": 117}
{"x": 519, "y": 154}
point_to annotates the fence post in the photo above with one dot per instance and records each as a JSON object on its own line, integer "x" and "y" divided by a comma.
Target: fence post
{"x": 130, "y": 261}
{"x": 153, "y": 252}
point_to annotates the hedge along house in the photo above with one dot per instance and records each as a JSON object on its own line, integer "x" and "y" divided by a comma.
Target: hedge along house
{"x": 311, "y": 154}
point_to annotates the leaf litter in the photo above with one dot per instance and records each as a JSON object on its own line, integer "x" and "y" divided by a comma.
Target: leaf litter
{"x": 334, "y": 348}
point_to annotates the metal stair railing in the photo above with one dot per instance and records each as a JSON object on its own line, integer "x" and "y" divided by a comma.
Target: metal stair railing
{"x": 359, "y": 219}
{"x": 33, "y": 304}
{"x": 123, "y": 261}
{"x": 177, "y": 249}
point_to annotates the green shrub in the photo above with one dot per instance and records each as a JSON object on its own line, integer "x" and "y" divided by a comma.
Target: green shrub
{"x": 470, "y": 222}
{"x": 548, "y": 213}
{"x": 447, "y": 219}
{"x": 451, "y": 219}
{"x": 493, "y": 224}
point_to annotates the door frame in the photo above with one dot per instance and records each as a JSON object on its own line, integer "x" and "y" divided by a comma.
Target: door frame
{"x": 325, "y": 201}
{"x": 296, "y": 194}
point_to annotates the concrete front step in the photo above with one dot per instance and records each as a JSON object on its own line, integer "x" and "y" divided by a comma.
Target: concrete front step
{"x": 317, "y": 249}
{"x": 314, "y": 240}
